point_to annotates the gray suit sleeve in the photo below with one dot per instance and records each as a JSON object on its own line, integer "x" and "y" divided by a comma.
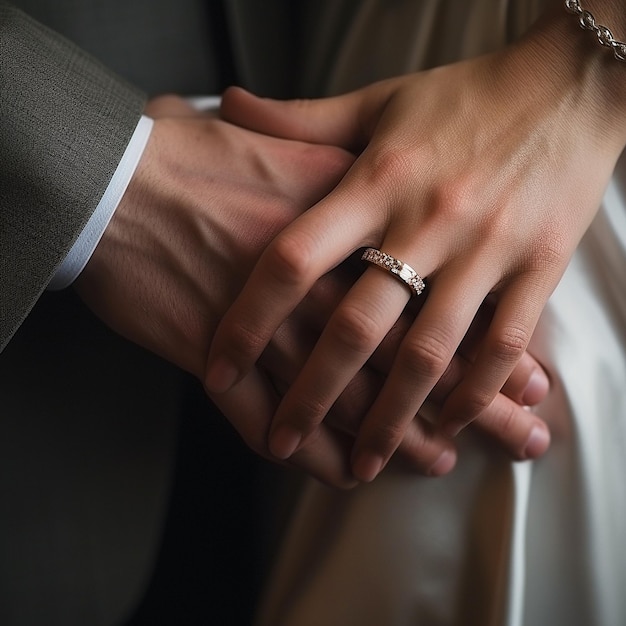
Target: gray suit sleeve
{"x": 65, "y": 122}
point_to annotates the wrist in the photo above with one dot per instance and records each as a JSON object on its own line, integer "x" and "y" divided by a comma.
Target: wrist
{"x": 603, "y": 34}
{"x": 87, "y": 241}
{"x": 572, "y": 68}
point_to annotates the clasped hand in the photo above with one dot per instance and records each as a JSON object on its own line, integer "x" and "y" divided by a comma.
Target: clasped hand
{"x": 206, "y": 200}
{"x": 471, "y": 174}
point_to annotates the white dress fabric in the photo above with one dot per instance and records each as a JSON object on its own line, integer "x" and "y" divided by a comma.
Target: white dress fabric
{"x": 495, "y": 543}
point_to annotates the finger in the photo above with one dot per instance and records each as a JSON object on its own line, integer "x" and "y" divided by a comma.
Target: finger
{"x": 282, "y": 277}
{"x": 286, "y": 355}
{"x": 422, "y": 442}
{"x": 506, "y": 420}
{"x": 326, "y": 457}
{"x": 333, "y": 121}
{"x": 250, "y": 406}
{"x": 506, "y": 341}
{"x": 528, "y": 384}
{"x": 423, "y": 357}
{"x": 309, "y": 247}
{"x": 521, "y": 433}
{"x": 351, "y": 335}
{"x": 354, "y": 215}
{"x": 513, "y": 426}
{"x": 518, "y": 431}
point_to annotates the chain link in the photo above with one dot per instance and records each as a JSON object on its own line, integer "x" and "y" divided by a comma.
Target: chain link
{"x": 604, "y": 35}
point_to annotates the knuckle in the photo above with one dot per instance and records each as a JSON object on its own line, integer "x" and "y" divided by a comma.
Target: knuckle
{"x": 307, "y": 412}
{"x": 510, "y": 344}
{"x": 388, "y": 165}
{"x": 424, "y": 355}
{"x": 551, "y": 250}
{"x": 288, "y": 260}
{"x": 354, "y": 329}
{"x": 451, "y": 200}
{"x": 242, "y": 342}
{"x": 384, "y": 436}
{"x": 475, "y": 404}
{"x": 544, "y": 252}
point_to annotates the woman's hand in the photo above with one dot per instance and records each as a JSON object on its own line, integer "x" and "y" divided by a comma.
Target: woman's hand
{"x": 205, "y": 201}
{"x": 506, "y": 421}
{"x": 483, "y": 176}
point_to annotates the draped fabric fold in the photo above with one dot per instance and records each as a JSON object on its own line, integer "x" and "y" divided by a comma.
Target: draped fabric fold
{"x": 494, "y": 543}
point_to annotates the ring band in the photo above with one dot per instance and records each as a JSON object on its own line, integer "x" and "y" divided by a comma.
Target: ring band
{"x": 402, "y": 271}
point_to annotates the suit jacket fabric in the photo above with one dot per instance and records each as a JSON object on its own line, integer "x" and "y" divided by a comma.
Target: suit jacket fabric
{"x": 88, "y": 422}
{"x": 69, "y": 106}
{"x": 76, "y": 117}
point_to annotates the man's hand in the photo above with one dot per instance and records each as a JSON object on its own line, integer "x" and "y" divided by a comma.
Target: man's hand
{"x": 206, "y": 198}
{"x": 205, "y": 201}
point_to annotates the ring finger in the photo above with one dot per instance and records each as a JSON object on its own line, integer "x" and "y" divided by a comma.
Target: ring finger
{"x": 424, "y": 355}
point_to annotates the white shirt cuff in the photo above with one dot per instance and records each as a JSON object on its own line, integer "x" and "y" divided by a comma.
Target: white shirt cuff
{"x": 83, "y": 247}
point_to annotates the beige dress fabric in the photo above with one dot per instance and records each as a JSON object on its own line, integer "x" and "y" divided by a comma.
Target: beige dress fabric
{"x": 495, "y": 543}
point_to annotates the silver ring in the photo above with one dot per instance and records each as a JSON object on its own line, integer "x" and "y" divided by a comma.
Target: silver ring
{"x": 402, "y": 271}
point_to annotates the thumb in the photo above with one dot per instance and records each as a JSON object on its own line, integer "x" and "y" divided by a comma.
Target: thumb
{"x": 332, "y": 121}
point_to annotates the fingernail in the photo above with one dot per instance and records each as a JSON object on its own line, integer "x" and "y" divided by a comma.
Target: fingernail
{"x": 537, "y": 443}
{"x": 445, "y": 463}
{"x": 367, "y": 466}
{"x": 221, "y": 376}
{"x": 284, "y": 441}
{"x": 537, "y": 388}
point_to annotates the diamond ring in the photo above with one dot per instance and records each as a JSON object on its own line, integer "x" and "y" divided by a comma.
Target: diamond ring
{"x": 402, "y": 271}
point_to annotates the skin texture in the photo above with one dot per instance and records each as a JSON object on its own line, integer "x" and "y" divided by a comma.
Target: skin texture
{"x": 206, "y": 200}
{"x": 483, "y": 176}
